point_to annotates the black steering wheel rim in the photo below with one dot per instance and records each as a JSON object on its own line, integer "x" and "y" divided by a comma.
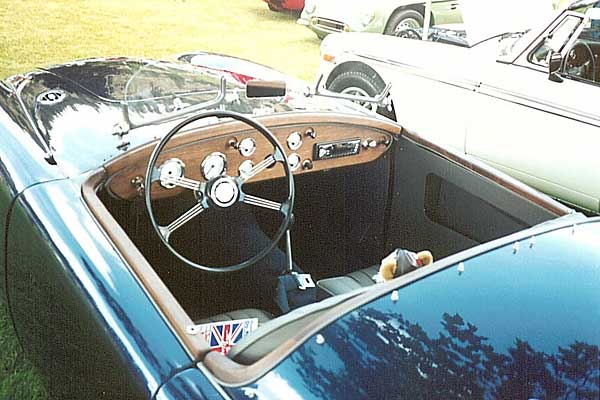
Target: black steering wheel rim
{"x": 591, "y": 72}
{"x": 279, "y": 155}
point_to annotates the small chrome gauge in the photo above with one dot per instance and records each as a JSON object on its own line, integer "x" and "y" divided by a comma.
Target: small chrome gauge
{"x": 294, "y": 141}
{"x": 215, "y": 164}
{"x": 294, "y": 161}
{"x": 173, "y": 168}
{"x": 245, "y": 167}
{"x": 247, "y": 147}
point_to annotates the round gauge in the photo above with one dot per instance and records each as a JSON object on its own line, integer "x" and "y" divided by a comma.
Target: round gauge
{"x": 294, "y": 161}
{"x": 247, "y": 147}
{"x": 294, "y": 141}
{"x": 245, "y": 167}
{"x": 214, "y": 165}
{"x": 173, "y": 168}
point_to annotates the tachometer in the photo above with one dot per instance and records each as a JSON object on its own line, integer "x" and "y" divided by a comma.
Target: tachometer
{"x": 215, "y": 164}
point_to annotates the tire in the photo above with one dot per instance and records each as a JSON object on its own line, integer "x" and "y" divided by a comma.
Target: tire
{"x": 409, "y": 18}
{"x": 361, "y": 83}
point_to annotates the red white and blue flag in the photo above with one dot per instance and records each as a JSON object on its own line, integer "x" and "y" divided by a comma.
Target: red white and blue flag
{"x": 222, "y": 336}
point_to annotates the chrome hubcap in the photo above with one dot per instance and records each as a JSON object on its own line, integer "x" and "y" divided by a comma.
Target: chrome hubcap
{"x": 356, "y": 91}
{"x": 408, "y": 23}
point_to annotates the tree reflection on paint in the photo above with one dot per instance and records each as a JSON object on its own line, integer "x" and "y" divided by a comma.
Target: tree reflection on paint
{"x": 400, "y": 360}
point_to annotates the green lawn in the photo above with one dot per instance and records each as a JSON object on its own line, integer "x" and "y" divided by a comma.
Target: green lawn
{"x": 37, "y": 33}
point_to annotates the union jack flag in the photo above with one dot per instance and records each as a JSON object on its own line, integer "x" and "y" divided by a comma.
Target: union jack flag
{"x": 222, "y": 336}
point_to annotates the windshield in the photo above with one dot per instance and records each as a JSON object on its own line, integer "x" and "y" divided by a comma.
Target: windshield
{"x": 159, "y": 91}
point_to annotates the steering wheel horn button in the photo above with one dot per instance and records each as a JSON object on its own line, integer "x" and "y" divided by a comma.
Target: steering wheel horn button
{"x": 224, "y": 192}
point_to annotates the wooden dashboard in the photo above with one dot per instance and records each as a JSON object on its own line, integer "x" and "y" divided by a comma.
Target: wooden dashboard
{"x": 317, "y": 131}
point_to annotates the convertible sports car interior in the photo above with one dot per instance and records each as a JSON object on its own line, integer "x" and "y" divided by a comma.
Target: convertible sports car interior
{"x": 353, "y": 189}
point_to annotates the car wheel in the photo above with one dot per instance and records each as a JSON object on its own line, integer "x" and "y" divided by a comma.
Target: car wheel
{"x": 359, "y": 83}
{"x": 404, "y": 19}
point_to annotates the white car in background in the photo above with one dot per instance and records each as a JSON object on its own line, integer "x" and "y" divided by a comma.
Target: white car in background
{"x": 526, "y": 103}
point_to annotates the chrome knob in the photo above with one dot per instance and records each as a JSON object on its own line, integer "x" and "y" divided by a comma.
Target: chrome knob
{"x": 307, "y": 164}
{"x": 369, "y": 143}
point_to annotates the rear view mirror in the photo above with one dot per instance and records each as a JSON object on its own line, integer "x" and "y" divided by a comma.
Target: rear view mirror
{"x": 259, "y": 88}
{"x": 554, "y": 67}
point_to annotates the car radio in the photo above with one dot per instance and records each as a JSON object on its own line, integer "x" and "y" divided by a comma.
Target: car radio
{"x": 335, "y": 149}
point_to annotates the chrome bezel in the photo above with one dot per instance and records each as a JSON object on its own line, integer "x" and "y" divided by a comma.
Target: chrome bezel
{"x": 245, "y": 167}
{"x": 247, "y": 151}
{"x": 171, "y": 166}
{"x": 294, "y": 167}
{"x": 296, "y": 146}
{"x": 206, "y": 160}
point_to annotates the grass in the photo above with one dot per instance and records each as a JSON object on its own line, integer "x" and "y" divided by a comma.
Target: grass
{"x": 36, "y": 33}
{"x": 18, "y": 377}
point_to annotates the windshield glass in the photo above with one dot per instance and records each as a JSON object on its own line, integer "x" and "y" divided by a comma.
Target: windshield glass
{"x": 163, "y": 90}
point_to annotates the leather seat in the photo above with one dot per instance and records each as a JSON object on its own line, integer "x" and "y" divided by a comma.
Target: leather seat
{"x": 347, "y": 283}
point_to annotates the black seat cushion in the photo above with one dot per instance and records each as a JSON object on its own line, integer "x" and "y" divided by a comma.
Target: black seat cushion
{"x": 344, "y": 284}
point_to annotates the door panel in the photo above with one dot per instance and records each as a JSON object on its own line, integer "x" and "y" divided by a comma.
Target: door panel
{"x": 533, "y": 129}
{"x": 428, "y": 106}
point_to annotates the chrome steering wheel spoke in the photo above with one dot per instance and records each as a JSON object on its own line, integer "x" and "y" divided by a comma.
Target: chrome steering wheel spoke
{"x": 187, "y": 216}
{"x": 184, "y": 182}
{"x": 260, "y": 202}
{"x": 258, "y": 168}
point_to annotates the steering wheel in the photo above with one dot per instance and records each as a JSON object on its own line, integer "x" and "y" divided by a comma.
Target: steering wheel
{"x": 219, "y": 192}
{"x": 580, "y": 61}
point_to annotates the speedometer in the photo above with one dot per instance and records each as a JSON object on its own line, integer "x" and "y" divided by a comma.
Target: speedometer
{"x": 215, "y": 164}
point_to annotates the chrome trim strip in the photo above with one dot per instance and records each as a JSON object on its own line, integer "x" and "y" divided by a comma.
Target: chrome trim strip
{"x": 539, "y": 104}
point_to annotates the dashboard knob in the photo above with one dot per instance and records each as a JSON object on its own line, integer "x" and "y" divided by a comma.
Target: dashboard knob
{"x": 307, "y": 164}
{"x": 369, "y": 143}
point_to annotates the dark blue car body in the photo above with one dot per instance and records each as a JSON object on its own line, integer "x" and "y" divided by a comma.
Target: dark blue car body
{"x": 516, "y": 317}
